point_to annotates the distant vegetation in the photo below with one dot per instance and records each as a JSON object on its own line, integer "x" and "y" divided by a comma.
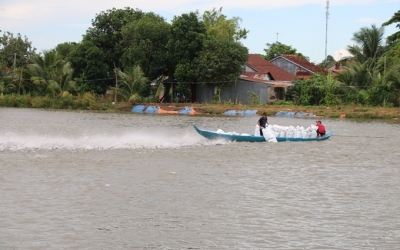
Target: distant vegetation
{"x": 133, "y": 56}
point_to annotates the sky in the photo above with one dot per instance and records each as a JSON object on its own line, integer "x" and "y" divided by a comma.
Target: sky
{"x": 301, "y": 24}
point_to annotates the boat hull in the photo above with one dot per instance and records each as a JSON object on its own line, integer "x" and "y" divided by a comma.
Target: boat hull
{"x": 253, "y": 138}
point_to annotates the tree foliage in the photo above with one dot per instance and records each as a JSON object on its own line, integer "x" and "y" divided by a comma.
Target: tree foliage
{"x": 395, "y": 19}
{"x": 220, "y": 61}
{"x": 220, "y": 27}
{"x": 369, "y": 44}
{"x": 275, "y": 49}
{"x": 65, "y": 49}
{"x": 131, "y": 82}
{"x": 185, "y": 42}
{"x": 194, "y": 48}
{"x": 146, "y": 39}
{"x": 90, "y": 69}
{"x": 327, "y": 61}
{"x": 15, "y": 49}
{"x": 106, "y": 32}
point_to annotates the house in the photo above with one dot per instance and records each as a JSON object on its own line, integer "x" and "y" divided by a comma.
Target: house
{"x": 335, "y": 68}
{"x": 260, "y": 79}
{"x": 297, "y": 66}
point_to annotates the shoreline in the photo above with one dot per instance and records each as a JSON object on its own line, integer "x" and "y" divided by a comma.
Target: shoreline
{"x": 341, "y": 111}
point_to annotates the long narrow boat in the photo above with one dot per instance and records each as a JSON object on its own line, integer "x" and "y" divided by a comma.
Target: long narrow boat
{"x": 253, "y": 138}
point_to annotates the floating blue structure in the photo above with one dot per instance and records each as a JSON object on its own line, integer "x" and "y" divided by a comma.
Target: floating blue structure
{"x": 249, "y": 112}
{"x": 138, "y": 109}
{"x": 151, "y": 109}
{"x": 300, "y": 114}
{"x": 186, "y": 111}
{"x": 241, "y": 112}
{"x": 294, "y": 114}
{"x": 230, "y": 112}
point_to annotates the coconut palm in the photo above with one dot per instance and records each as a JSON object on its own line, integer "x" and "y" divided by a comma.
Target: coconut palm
{"x": 357, "y": 75}
{"x": 131, "y": 82}
{"x": 369, "y": 44}
{"x": 52, "y": 73}
{"x": 385, "y": 89}
{"x": 61, "y": 79}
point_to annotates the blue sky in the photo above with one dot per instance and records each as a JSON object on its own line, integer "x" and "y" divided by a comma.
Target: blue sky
{"x": 298, "y": 23}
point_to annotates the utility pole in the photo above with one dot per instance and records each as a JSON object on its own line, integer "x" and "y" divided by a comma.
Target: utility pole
{"x": 15, "y": 63}
{"x": 116, "y": 83}
{"x": 277, "y": 37}
{"x": 326, "y": 36}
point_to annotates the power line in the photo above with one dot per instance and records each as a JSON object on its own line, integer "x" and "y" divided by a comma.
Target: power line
{"x": 92, "y": 80}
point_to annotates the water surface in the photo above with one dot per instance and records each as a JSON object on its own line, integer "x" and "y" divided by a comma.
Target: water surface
{"x": 86, "y": 180}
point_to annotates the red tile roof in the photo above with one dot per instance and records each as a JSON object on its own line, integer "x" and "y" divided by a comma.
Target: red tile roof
{"x": 303, "y": 63}
{"x": 263, "y": 66}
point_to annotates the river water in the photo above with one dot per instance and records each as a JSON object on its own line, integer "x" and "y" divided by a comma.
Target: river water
{"x": 87, "y": 180}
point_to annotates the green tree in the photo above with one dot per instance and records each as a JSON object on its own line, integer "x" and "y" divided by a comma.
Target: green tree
{"x": 106, "y": 32}
{"x": 131, "y": 82}
{"x": 146, "y": 39}
{"x": 15, "y": 51}
{"x": 391, "y": 55}
{"x": 49, "y": 72}
{"x": 34, "y": 77}
{"x": 65, "y": 49}
{"x": 275, "y": 49}
{"x": 220, "y": 62}
{"x": 326, "y": 62}
{"x": 369, "y": 44}
{"x": 358, "y": 75}
{"x": 185, "y": 42}
{"x": 91, "y": 72}
{"x": 305, "y": 92}
{"x": 101, "y": 49}
{"x": 219, "y": 26}
{"x": 385, "y": 84}
{"x": 396, "y": 36}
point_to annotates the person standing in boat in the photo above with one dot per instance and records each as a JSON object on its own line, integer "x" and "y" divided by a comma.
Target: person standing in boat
{"x": 262, "y": 122}
{"x": 321, "y": 129}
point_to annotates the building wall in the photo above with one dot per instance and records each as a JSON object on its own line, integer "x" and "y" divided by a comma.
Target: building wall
{"x": 235, "y": 93}
{"x": 248, "y": 69}
{"x": 285, "y": 65}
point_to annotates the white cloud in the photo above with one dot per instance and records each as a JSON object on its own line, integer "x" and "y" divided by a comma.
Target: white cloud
{"x": 341, "y": 54}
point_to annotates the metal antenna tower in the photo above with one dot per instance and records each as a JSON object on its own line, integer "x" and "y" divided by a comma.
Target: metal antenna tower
{"x": 326, "y": 31}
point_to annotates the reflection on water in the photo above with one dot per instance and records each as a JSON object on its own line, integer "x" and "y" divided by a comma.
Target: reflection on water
{"x": 81, "y": 180}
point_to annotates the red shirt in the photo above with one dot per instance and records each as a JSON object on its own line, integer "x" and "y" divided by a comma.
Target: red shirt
{"x": 321, "y": 128}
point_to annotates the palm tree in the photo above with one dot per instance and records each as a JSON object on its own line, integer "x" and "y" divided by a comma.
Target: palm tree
{"x": 357, "y": 75}
{"x": 51, "y": 72}
{"x": 385, "y": 87}
{"x": 61, "y": 79}
{"x": 368, "y": 44}
{"x": 131, "y": 82}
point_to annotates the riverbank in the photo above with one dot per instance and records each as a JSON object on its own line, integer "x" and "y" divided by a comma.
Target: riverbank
{"x": 319, "y": 111}
{"x": 89, "y": 101}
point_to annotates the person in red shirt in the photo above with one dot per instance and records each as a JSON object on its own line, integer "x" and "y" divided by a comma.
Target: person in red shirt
{"x": 321, "y": 129}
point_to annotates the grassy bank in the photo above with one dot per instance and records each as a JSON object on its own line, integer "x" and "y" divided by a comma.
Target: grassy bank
{"x": 91, "y": 102}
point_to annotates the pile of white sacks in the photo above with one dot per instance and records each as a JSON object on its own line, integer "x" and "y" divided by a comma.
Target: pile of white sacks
{"x": 272, "y": 131}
